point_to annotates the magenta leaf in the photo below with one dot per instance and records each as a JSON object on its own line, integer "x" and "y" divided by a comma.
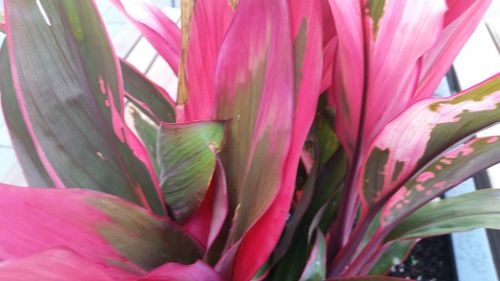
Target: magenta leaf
{"x": 71, "y": 100}
{"x": 156, "y": 27}
{"x": 52, "y": 265}
{"x": 197, "y": 271}
{"x": 122, "y": 238}
{"x": 208, "y": 26}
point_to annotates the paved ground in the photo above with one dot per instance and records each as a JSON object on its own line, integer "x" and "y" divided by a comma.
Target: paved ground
{"x": 129, "y": 45}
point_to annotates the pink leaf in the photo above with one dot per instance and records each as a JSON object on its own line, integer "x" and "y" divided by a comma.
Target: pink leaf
{"x": 209, "y": 25}
{"x": 52, "y": 265}
{"x": 461, "y": 19}
{"x": 156, "y": 26}
{"x": 198, "y": 271}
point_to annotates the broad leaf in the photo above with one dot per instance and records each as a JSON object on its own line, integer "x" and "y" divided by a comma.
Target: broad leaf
{"x": 254, "y": 96}
{"x": 479, "y": 209}
{"x": 146, "y": 95}
{"x": 123, "y": 238}
{"x": 71, "y": 100}
{"x": 272, "y": 77}
{"x": 33, "y": 168}
{"x": 439, "y": 124}
{"x": 52, "y": 265}
{"x": 394, "y": 253}
{"x": 206, "y": 31}
{"x": 186, "y": 155}
{"x": 315, "y": 269}
{"x": 156, "y": 27}
{"x": 440, "y": 175}
{"x": 198, "y": 271}
{"x": 378, "y": 59}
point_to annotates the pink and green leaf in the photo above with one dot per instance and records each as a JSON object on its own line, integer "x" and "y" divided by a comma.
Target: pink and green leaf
{"x": 207, "y": 221}
{"x": 441, "y": 174}
{"x": 52, "y": 265}
{"x": 307, "y": 47}
{"x": 146, "y": 95}
{"x": 186, "y": 155}
{"x": 120, "y": 237}
{"x": 439, "y": 124}
{"x": 163, "y": 34}
{"x": 73, "y": 111}
{"x": 479, "y": 209}
{"x": 254, "y": 96}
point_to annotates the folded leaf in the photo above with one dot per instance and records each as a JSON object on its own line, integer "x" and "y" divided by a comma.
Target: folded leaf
{"x": 439, "y": 124}
{"x": 120, "y": 237}
{"x": 156, "y": 26}
{"x": 146, "y": 95}
{"x": 208, "y": 26}
{"x": 71, "y": 100}
{"x": 479, "y": 209}
{"x": 186, "y": 155}
{"x": 198, "y": 271}
{"x": 52, "y": 265}
{"x": 206, "y": 223}
{"x": 254, "y": 96}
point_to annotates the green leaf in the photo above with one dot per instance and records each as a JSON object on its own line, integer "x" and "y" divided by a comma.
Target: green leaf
{"x": 440, "y": 175}
{"x": 71, "y": 100}
{"x": 479, "y": 209}
{"x": 394, "y": 254}
{"x": 186, "y": 160}
{"x": 146, "y": 95}
{"x": 315, "y": 269}
{"x": 33, "y": 168}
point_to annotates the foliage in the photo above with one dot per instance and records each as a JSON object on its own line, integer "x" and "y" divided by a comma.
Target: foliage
{"x": 304, "y": 144}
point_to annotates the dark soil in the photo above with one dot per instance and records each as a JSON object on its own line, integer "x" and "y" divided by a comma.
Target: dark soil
{"x": 430, "y": 260}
